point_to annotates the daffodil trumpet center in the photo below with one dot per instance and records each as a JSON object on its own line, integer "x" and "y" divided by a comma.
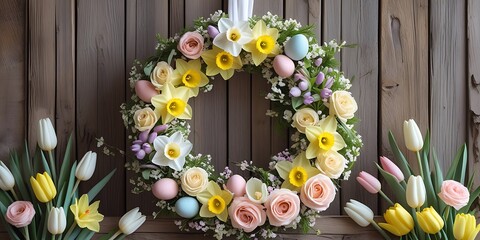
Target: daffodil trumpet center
{"x": 265, "y": 44}
{"x": 258, "y": 195}
{"x": 297, "y": 176}
{"x": 176, "y": 106}
{"x": 84, "y": 214}
{"x": 233, "y": 34}
{"x": 326, "y": 141}
{"x": 191, "y": 78}
{"x": 216, "y": 204}
{"x": 224, "y": 60}
{"x": 172, "y": 151}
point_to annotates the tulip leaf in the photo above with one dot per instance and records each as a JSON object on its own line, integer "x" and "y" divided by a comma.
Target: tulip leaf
{"x": 45, "y": 165}
{"x": 5, "y": 198}
{"x": 27, "y": 162}
{"x": 401, "y": 160}
{"x": 430, "y": 191}
{"x": 396, "y": 187}
{"x": 99, "y": 186}
{"x": 71, "y": 182}
{"x": 75, "y": 233}
{"x": 19, "y": 182}
{"x": 85, "y": 234}
{"x": 473, "y": 197}
{"x": 63, "y": 176}
{"x": 459, "y": 165}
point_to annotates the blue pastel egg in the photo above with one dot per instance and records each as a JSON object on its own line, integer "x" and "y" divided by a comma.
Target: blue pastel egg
{"x": 187, "y": 207}
{"x": 296, "y": 47}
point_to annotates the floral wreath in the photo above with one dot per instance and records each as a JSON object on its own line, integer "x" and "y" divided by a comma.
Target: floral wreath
{"x": 310, "y": 92}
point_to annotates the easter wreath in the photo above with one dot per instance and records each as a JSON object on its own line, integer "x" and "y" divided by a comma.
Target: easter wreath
{"x": 312, "y": 97}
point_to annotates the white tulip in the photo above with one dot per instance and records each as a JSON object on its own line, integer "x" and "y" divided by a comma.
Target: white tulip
{"x": 415, "y": 191}
{"x": 359, "y": 212}
{"x": 47, "y": 139}
{"x": 413, "y": 136}
{"x": 7, "y": 182}
{"x": 86, "y": 167}
{"x": 131, "y": 221}
{"x": 56, "y": 221}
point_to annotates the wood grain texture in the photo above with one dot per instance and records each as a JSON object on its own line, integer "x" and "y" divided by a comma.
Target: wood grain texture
{"x": 404, "y": 70}
{"x": 332, "y": 20}
{"x": 359, "y": 26}
{"x": 473, "y": 86}
{"x": 315, "y": 17}
{"x": 448, "y": 62}
{"x": 101, "y": 73}
{"x": 13, "y": 64}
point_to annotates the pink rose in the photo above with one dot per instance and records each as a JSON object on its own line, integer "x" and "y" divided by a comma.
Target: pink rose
{"x": 283, "y": 206}
{"x": 318, "y": 192}
{"x": 246, "y": 215}
{"x": 454, "y": 194}
{"x": 191, "y": 45}
{"x": 20, "y": 213}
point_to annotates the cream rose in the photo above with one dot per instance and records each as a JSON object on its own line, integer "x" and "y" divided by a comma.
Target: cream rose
{"x": 20, "y": 213}
{"x": 283, "y": 206}
{"x": 343, "y": 105}
{"x": 318, "y": 192}
{"x": 303, "y": 118}
{"x": 331, "y": 163}
{"x": 454, "y": 194}
{"x": 145, "y": 119}
{"x": 194, "y": 181}
{"x": 191, "y": 45}
{"x": 246, "y": 215}
{"x": 161, "y": 74}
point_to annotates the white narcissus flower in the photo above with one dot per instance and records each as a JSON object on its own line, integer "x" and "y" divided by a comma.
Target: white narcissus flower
{"x": 7, "y": 181}
{"x": 131, "y": 221}
{"x": 171, "y": 151}
{"x": 47, "y": 139}
{"x": 86, "y": 166}
{"x": 413, "y": 136}
{"x": 359, "y": 212}
{"x": 57, "y": 221}
{"x": 232, "y": 36}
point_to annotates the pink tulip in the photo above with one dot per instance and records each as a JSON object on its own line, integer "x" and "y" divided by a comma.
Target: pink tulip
{"x": 369, "y": 182}
{"x": 391, "y": 168}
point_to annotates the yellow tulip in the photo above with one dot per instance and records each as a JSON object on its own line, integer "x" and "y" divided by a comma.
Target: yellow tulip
{"x": 464, "y": 227}
{"x": 399, "y": 221}
{"x": 430, "y": 221}
{"x": 43, "y": 187}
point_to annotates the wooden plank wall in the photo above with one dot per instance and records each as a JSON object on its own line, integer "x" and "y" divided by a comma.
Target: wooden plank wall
{"x": 69, "y": 60}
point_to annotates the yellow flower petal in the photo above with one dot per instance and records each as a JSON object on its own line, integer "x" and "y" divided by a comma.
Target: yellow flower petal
{"x": 283, "y": 168}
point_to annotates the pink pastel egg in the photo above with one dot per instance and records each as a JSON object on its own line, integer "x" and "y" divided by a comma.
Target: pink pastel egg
{"x": 237, "y": 185}
{"x": 145, "y": 90}
{"x": 165, "y": 189}
{"x": 283, "y": 66}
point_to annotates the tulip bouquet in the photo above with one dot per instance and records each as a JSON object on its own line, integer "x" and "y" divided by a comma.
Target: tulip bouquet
{"x": 428, "y": 205}
{"x": 39, "y": 202}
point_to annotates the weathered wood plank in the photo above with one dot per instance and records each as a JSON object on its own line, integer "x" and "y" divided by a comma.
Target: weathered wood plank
{"x": 101, "y": 73}
{"x": 473, "y": 83}
{"x": 359, "y": 26}
{"x": 447, "y": 71}
{"x": 12, "y": 69}
{"x": 332, "y": 20}
{"x": 404, "y": 73}
{"x": 297, "y": 9}
{"x": 315, "y": 17}
{"x": 41, "y": 67}
{"x": 177, "y": 16}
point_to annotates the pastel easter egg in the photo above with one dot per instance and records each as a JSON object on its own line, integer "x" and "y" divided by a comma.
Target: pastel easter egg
{"x": 283, "y": 66}
{"x": 165, "y": 189}
{"x": 187, "y": 207}
{"x": 297, "y": 47}
{"x": 145, "y": 90}
{"x": 236, "y": 184}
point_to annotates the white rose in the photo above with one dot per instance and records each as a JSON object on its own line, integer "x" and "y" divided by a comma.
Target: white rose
{"x": 194, "y": 181}
{"x": 331, "y": 163}
{"x": 343, "y": 105}
{"x": 145, "y": 119}
{"x": 303, "y": 118}
{"x": 161, "y": 74}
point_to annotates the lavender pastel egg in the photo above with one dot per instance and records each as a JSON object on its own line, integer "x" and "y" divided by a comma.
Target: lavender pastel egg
{"x": 145, "y": 90}
{"x": 165, "y": 189}
{"x": 297, "y": 47}
{"x": 237, "y": 185}
{"x": 283, "y": 66}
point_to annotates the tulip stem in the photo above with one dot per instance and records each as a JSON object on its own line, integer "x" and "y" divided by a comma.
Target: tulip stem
{"x": 446, "y": 213}
{"x": 14, "y": 194}
{"x": 420, "y": 164}
{"x": 25, "y": 233}
{"x": 380, "y": 230}
{"x": 386, "y": 197}
{"x": 53, "y": 169}
{"x": 70, "y": 230}
{"x": 115, "y": 235}
{"x": 75, "y": 188}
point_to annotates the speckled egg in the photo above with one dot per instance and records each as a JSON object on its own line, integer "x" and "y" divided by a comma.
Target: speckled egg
{"x": 145, "y": 90}
{"x": 297, "y": 47}
{"x": 236, "y": 184}
{"x": 283, "y": 66}
{"x": 187, "y": 207}
{"x": 165, "y": 189}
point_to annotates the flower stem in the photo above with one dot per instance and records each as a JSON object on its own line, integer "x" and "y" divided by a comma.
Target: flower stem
{"x": 52, "y": 164}
{"x": 14, "y": 194}
{"x": 75, "y": 188}
{"x": 420, "y": 164}
{"x": 380, "y": 230}
{"x": 25, "y": 233}
{"x": 70, "y": 230}
{"x": 386, "y": 197}
{"x": 115, "y": 235}
{"x": 446, "y": 213}
{"x": 53, "y": 237}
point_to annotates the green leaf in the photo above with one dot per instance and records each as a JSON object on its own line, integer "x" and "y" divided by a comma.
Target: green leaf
{"x": 401, "y": 160}
{"x": 148, "y": 69}
{"x": 396, "y": 187}
{"x": 459, "y": 165}
{"x": 431, "y": 195}
{"x": 85, "y": 233}
{"x": 71, "y": 182}
{"x": 99, "y": 186}
{"x": 21, "y": 186}
{"x": 45, "y": 164}
{"x": 64, "y": 170}
{"x": 297, "y": 102}
{"x": 146, "y": 174}
{"x": 437, "y": 179}
{"x": 473, "y": 197}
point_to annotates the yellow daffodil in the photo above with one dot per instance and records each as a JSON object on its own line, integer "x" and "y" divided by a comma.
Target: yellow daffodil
{"x": 189, "y": 74}
{"x": 399, "y": 221}
{"x": 215, "y": 201}
{"x": 264, "y": 43}
{"x": 43, "y": 187}
{"x": 219, "y": 61}
{"x": 296, "y": 173}
{"x": 87, "y": 216}
{"x": 172, "y": 103}
{"x": 323, "y": 137}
